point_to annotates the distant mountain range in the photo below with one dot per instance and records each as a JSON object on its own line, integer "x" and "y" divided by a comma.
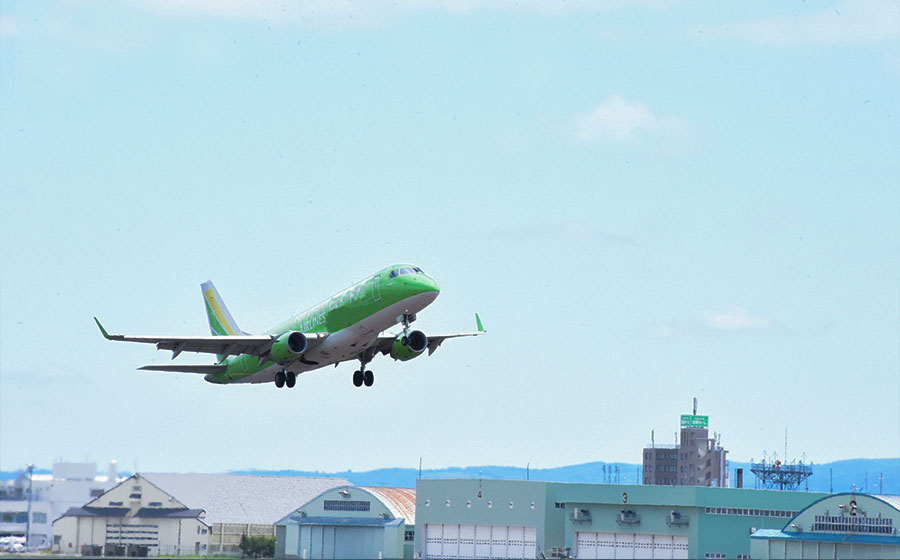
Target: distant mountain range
{"x": 872, "y": 476}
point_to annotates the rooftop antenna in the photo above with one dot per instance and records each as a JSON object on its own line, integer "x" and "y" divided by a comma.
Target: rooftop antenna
{"x": 652, "y": 439}
{"x": 695, "y": 406}
{"x": 420, "y": 467}
{"x": 527, "y": 471}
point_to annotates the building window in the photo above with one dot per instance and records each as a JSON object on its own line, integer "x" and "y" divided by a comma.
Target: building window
{"x": 347, "y": 505}
{"x": 115, "y": 504}
{"x": 560, "y": 505}
{"x": 96, "y": 492}
{"x": 155, "y": 504}
{"x": 409, "y": 535}
{"x": 135, "y": 496}
{"x": 38, "y": 517}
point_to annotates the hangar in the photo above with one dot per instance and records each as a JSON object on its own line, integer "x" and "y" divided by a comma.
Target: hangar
{"x": 477, "y": 518}
{"x": 239, "y": 504}
{"x": 350, "y": 522}
{"x": 843, "y": 525}
{"x": 134, "y": 518}
{"x": 150, "y": 514}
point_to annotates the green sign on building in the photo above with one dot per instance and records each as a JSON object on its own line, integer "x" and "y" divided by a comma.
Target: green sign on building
{"x": 694, "y": 421}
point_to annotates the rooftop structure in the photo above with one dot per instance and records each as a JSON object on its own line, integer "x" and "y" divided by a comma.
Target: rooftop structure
{"x": 781, "y": 476}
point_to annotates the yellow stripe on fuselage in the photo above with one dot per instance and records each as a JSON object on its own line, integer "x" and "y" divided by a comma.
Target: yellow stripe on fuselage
{"x": 217, "y": 311}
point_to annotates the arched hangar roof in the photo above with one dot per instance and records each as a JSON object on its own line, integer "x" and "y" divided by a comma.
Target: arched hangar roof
{"x": 400, "y": 501}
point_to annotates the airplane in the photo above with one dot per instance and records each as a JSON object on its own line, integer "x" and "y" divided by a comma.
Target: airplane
{"x": 348, "y": 326}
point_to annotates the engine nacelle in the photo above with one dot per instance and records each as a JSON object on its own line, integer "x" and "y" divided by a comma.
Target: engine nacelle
{"x": 416, "y": 343}
{"x": 288, "y": 347}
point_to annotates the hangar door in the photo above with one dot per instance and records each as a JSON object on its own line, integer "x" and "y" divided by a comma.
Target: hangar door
{"x": 629, "y": 545}
{"x": 480, "y": 541}
{"x": 319, "y": 542}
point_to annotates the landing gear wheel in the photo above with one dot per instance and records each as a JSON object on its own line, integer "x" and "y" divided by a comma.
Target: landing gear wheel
{"x": 369, "y": 378}
{"x": 404, "y": 341}
{"x": 280, "y": 378}
{"x": 358, "y": 378}
{"x": 290, "y": 380}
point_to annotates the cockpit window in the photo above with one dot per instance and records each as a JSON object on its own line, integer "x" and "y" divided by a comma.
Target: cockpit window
{"x": 405, "y": 270}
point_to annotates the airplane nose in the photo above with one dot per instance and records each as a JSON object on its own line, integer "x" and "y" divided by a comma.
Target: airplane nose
{"x": 423, "y": 285}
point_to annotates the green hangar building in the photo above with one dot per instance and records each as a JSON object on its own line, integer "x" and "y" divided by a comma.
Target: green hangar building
{"x": 478, "y": 518}
{"x": 838, "y": 526}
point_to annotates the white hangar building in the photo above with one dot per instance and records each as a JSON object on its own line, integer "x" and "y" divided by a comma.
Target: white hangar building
{"x": 135, "y": 518}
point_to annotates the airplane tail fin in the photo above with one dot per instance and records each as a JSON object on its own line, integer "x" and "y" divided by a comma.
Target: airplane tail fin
{"x": 221, "y": 323}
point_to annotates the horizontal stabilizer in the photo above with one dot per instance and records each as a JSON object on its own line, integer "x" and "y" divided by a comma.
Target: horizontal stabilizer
{"x": 187, "y": 368}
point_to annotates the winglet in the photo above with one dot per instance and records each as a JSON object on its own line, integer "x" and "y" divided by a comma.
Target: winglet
{"x": 477, "y": 323}
{"x": 102, "y": 330}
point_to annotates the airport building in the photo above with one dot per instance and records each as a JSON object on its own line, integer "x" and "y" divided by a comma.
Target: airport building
{"x": 242, "y": 504}
{"x": 837, "y": 526}
{"x": 350, "y": 522}
{"x": 696, "y": 460}
{"x": 477, "y": 518}
{"x": 30, "y": 502}
{"x": 136, "y": 518}
{"x": 164, "y": 514}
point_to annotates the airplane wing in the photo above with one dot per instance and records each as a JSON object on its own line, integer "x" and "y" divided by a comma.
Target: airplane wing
{"x": 256, "y": 345}
{"x": 187, "y": 368}
{"x": 384, "y": 342}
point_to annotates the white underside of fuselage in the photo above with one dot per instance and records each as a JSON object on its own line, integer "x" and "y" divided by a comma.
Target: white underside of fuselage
{"x": 347, "y": 344}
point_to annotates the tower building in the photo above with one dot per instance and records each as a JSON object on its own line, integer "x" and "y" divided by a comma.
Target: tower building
{"x": 696, "y": 460}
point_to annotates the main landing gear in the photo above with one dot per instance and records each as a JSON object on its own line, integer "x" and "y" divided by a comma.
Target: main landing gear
{"x": 283, "y": 378}
{"x": 362, "y": 376}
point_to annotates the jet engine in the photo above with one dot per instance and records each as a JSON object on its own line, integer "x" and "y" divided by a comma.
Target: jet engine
{"x": 288, "y": 347}
{"x": 416, "y": 343}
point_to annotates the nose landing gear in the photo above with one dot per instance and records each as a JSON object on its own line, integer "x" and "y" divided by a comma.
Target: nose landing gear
{"x": 405, "y": 320}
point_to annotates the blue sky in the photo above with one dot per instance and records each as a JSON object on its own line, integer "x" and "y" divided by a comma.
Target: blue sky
{"x": 645, "y": 201}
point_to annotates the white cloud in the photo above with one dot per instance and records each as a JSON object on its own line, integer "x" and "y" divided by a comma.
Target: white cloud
{"x": 619, "y": 119}
{"x": 735, "y": 318}
{"x": 857, "y": 22}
